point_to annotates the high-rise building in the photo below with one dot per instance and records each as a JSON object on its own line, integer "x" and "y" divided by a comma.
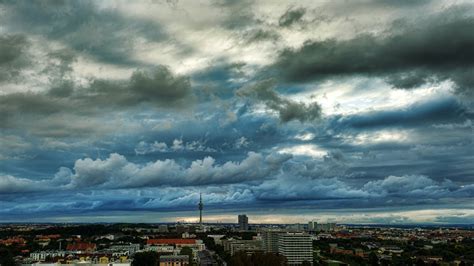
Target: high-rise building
{"x": 317, "y": 227}
{"x": 243, "y": 222}
{"x": 296, "y": 227}
{"x": 200, "y": 206}
{"x": 270, "y": 239}
{"x": 312, "y": 225}
{"x": 296, "y": 247}
{"x": 163, "y": 228}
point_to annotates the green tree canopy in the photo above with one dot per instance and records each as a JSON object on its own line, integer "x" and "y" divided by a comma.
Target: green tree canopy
{"x": 6, "y": 258}
{"x": 149, "y": 258}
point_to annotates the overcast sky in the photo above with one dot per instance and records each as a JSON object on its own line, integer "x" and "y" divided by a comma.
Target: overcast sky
{"x": 347, "y": 111}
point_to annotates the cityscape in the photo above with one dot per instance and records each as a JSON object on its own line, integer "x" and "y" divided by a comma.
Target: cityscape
{"x": 240, "y": 243}
{"x": 236, "y": 132}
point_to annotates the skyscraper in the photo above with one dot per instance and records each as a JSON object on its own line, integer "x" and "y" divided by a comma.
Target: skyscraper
{"x": 200, "y": 205}
{"x": 243, "y": 222}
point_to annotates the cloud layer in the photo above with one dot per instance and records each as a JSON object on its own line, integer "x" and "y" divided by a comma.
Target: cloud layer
{"x": 279, "y": 110}
{"x": 409, "y": 54}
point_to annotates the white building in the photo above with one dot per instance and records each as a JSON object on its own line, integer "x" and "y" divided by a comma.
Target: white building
{"x": 270, "y": 239}
{"x": 129, "y": 249}
{"x": 161, "y": 249}
{"x": 296, "y": 247}
{"x": 217, "y": 238}
{"x": 42, "y": 255}
{"x": 236, "y": 245}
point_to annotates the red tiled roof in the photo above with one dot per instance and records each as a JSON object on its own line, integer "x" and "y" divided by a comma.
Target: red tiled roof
{"x": 53, "y": 236}
{"x": 170, "y": 241}
{"x": 12, "y": 240}
{"x": 80, "y": 246}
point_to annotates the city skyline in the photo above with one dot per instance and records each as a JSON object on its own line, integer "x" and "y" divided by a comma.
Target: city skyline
{"x": 340, "y": 111}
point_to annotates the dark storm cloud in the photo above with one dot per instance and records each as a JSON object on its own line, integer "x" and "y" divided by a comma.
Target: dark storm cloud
{"x": 291, "y": 16}
{"x": 288, "y": 110}
{"x": 258, "y": 35}
{"x": 11, "y": 48}
{"x": 157, "y": 87}
{"x": 29, "y": 103}
{"x": 416, "y": 115}
{"x": 12, "y": 55}
{"x": 100, "y": 32}
{"x": 409, "y": 54}
{"x": 133, "y": 143}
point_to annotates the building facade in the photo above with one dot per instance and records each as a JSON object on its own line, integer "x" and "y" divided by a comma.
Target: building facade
{"x": 270, "y": 239}
{"x": 296, "y": 247}
{"x": 321, "y": 227}
{"x": 243, "y": 222}
{"x": 237, "y": 245}
{"x": 174, "y": 260}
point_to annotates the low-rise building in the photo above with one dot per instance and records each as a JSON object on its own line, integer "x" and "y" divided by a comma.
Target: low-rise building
{"x": 236, "y": 245}
{"x": 129, "y": 249}
{"x": 174, "y": 260}
{"x": 45, "y": 254}
{"x": 81, "y": 247}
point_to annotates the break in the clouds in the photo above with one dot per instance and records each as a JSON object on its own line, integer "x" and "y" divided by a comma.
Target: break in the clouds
{"x": 284, "y": 111}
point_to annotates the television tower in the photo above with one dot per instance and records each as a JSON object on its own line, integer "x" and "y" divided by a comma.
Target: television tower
{"x": 200, "y": 205}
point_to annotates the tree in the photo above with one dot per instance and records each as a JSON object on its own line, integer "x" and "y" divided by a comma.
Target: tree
{"x": 148, "y": 258}
{"x": 420, "y": 262}
{"x": 6, "y": 258}
{"x": 187, "y": 251}
{"x": 267, "y": 259}
{"x": 257, "y": 259}
{"x": 404, "y": 259}
{"x": 373, "y": 259}
{"x": 448, "y": 256}
{"x": 240, "y": 259}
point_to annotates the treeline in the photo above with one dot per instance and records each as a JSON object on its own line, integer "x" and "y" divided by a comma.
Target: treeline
{"x": 257, "y": 259}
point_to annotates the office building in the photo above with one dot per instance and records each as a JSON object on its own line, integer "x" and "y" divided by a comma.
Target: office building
{"x": 270, "y": 239}
{"x": 236, "y": 245}
{"x": 296, "y": 247}
{"x": 321, "y": 227}
{"x": 243, "y": 222}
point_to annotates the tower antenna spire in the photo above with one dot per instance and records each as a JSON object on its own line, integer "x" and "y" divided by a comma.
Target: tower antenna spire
{"x": 200, "y": 205}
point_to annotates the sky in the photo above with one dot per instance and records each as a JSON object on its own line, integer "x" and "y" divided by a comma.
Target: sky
{"x": 288, "y": 111}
